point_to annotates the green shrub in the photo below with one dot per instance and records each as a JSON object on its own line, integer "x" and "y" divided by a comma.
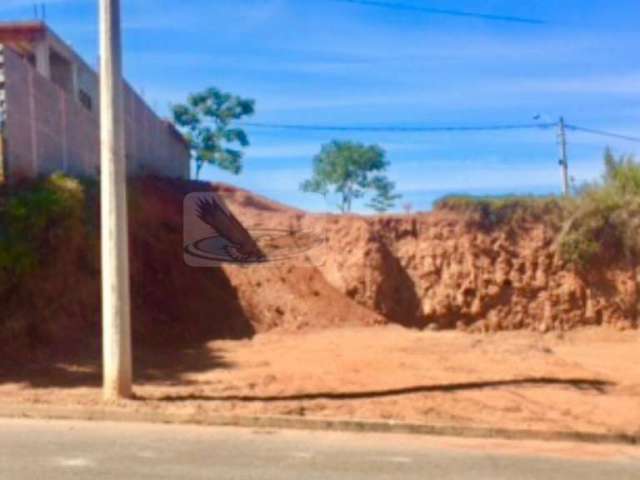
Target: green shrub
{"x": 33, "y": 217}
{"x": 605, "y": 216}
{"x": 601, "y": 222}
{"x": 622, "y": 174}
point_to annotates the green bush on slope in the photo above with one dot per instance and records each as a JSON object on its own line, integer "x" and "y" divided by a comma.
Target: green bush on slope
{"x": 494, "y": 211}
{"x": 35, "y": 219}
{"x": 34, "y": 216}
{"x": 602, "y": 221}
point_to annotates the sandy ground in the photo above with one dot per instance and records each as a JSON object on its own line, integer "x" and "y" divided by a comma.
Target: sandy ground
{"x": 583, "y": 380}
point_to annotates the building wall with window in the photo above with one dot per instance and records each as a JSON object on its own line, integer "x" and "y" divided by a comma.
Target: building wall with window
{"x": 49, "y": 108}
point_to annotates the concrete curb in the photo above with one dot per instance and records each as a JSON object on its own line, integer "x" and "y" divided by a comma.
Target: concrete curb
{"x": 111, "y": 414}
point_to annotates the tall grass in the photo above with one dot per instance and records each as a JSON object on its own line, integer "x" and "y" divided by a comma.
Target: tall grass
{"x": 605, "y": 216}
{"x": 601, "y": 222}
{"x": 494, "y": 211}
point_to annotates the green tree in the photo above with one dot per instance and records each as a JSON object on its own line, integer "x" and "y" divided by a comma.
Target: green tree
{"x": 384, "y": 198}
{"x": 352, "y": 170}
{"x": 206, "y": 121}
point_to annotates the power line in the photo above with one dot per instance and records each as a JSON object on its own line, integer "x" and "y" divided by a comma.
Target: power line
{"x": 440, "y": 11}
{"x": 435, "y": 129}
{"x": 395, "y": 128}
{"x": 603, "y": 133}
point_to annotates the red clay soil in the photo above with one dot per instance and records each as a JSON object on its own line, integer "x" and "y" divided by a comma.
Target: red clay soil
{"x": 586, "y": 380}
{"x": 172, "y": 303}
{"x": 322, "y": 340}
{"x": 439, "y": 269}
{"x": 445, "y": 269}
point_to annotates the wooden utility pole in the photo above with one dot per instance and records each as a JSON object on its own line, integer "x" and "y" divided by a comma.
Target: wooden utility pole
{"x": 116, "y": 320}
{"x": 564, "y": 162}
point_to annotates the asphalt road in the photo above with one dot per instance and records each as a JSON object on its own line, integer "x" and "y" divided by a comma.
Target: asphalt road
{"x": 73, "y": 450}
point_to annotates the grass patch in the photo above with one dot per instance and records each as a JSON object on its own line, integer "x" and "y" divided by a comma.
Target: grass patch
{"x": 32, "y": 218}
{"x": 43, "y": 224}
{"x": 605, "y": 217}
{"x": 600, "y": 223}
{"x": 496, "y": 211}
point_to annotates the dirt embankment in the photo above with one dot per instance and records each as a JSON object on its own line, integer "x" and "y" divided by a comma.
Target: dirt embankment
{"x": 446, "y": 269}
{"x": 441, "y": 268}
{"x": 57, "y": 303}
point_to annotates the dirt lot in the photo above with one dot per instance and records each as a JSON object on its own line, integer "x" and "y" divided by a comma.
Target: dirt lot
{"x": 585, "y": 380}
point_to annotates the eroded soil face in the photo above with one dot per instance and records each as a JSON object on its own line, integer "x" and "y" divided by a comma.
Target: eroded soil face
{"x": 445, "y": 268}
{"x": 517, "y": 344}
{"x": 442, "y": 270}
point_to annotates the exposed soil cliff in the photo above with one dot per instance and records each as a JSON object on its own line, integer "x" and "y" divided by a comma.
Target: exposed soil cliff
{"x": 444, "y": 268}
{"x": 447, "y": 269}
{"x": 461, "y": 269}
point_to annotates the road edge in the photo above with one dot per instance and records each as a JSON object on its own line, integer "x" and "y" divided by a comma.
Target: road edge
{"x": 113, "y": 414}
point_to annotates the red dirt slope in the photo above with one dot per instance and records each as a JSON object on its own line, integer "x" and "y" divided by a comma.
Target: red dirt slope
{"x": 415, "y": 270}
{"x": 450, "y": 269}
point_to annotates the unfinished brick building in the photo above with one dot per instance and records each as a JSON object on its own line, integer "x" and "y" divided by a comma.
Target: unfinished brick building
{"x": 49, "y": 113}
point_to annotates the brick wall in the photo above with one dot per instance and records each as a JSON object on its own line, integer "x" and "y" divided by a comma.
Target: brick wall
{"x": 47, "y": 129}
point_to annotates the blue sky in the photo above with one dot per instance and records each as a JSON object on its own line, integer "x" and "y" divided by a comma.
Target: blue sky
{"x": 331, "y": 62}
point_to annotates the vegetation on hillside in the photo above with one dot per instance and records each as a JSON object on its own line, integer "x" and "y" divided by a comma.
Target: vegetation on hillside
{"x": 605, "y": 215}
{"x": 39, "y": 222}
{"x": 494, "y": 211}
{"x": 31, "y": 219}
{"x": 50, "y": 268}
{"x": 602, "y": 221}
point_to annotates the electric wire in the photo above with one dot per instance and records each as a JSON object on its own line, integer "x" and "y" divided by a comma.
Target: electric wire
{"x": 442, "y": 11}
{"x": 602, "y": 133}
{"x": 397, "y": 128}
{"x": 434, "y": 128}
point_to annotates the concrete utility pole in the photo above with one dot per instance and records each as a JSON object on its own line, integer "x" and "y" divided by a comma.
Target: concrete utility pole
{"x": 116, "y": 320}
{"x": 564, "y": 162}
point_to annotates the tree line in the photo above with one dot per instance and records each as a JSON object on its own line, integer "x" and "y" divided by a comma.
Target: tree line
{"x": 347, "y": 169}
